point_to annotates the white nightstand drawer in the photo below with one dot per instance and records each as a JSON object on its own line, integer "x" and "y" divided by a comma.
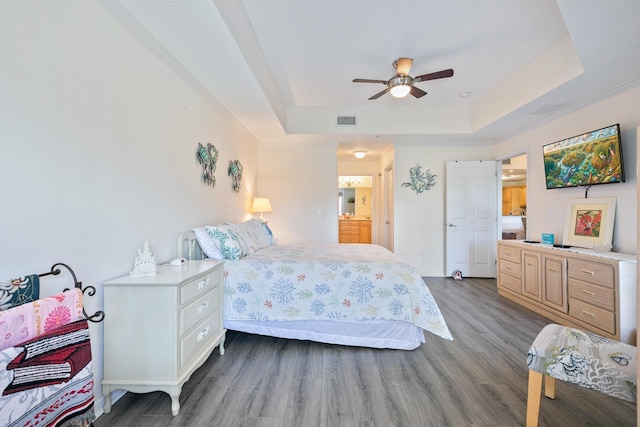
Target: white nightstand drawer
{"x": 198, "y": 287}
{"x": 198, "y": 310}
{"x": 191, "y": 344}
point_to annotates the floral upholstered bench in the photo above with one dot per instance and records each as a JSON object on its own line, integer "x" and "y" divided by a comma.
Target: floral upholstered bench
{"x": 581, "y": 358}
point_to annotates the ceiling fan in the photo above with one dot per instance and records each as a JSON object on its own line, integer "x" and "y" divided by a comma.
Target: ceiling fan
{"x": 401, "y": 84}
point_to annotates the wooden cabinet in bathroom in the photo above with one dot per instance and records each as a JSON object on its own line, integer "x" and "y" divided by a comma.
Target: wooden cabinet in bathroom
{"x": 354, "y": 231}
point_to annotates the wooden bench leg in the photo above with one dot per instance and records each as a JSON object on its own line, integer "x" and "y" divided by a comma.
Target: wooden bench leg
{"x": 534, "y": 394}
{"x": 549, "y": 387}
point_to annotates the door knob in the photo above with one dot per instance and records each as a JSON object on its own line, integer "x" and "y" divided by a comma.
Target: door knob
{"x": 451, "y": 225}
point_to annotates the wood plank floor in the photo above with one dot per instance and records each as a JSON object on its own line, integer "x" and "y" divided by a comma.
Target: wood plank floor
{"x": 479, "y": 379}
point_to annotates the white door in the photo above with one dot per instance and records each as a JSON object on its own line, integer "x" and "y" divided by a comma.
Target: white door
{"x": 472, "y": 218}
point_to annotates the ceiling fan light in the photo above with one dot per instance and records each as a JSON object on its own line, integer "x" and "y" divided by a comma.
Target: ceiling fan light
{"x": 400, "y": 86}
{"x": 400, "y": 91}
{"x": 360, "y": 154}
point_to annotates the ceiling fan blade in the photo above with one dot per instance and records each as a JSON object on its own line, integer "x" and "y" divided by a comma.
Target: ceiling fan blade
{"x": 417, "y": 92}
{"x": 379, "y": 94}
{"x": 369, "y": 81}
{"x": 432, "y": 76}
{"x": 403, "y": 65}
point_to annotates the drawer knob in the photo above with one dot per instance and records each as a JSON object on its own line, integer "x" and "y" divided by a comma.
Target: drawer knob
{"x": 203, "y": 283}
{"x": 591, "y": 294}
{"x": 203, "y": 307}
{"x": 203, "y": 333}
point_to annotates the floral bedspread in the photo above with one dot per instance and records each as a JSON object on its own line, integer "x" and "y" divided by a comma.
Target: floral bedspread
{"x": 323, "y": 282}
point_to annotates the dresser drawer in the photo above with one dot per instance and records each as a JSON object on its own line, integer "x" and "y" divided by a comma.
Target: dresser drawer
{"x": 512, "y": 268}
{"x": 591, "y": 294}
{"x": 593, "y": 315}
{"x": 509, "y": 282}
{"x": 198, "y": 287}
{"x": 350, "y": 225}
{"x": 197, "y": 339}
{"x": 198, "y": 310}
{"x": 509, "y": 253}
{"x": 592, "y": 272}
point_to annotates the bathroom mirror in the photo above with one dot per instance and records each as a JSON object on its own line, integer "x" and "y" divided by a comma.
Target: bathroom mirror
{"x": 354, "y": 196}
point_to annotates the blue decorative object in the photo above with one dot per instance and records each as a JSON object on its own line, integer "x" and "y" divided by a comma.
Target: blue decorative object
{"x": 420, "y": 180}
{"x": 208, "y": 157}
{"x": 235, "y": 172}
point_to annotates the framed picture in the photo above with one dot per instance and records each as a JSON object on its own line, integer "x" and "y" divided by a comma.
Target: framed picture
{"x": 590, "y": 222}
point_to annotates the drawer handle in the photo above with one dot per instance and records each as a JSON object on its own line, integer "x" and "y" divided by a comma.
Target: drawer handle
{"x": 552, "y": 269}
{"x": 589, "y": 314}
{"x": 508, "y": 253}
{"x": 530, "y": 264}
{"x": 591, "y": 294}
{"x": 203, "y": 333}
{"x": 203, "y": 283}
{"x": 591, "y": 273}
{"x": 203, "y": 307}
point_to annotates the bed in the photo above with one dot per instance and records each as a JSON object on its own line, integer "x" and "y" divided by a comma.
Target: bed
{"x": 348, "y": 294}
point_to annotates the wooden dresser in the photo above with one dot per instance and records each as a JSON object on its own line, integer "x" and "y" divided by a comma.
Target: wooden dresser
{"x": 160, "y": 329}
{"x": 354, "y": 231}
{"x": 575, "y": 287}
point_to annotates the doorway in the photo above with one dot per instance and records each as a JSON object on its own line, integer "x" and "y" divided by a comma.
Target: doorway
{"x": 355, "y": 209}
{"x": 514, "y": 197}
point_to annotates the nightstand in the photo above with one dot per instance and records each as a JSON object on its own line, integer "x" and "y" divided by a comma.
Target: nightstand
{"x": 158, "y": 330}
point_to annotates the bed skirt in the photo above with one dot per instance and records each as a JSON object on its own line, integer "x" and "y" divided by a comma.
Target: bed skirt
{"x": 391, "y": 334}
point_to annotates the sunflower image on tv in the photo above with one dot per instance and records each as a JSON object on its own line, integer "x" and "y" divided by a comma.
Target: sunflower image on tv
{"x": 588, "y": 222}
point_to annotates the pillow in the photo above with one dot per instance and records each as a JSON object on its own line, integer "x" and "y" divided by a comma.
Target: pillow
{"x": 19, "y": 291}
{"x": 270, "y": 237}
{"x": 254, "y": 234}
{"x": 207, "y": 244}
{"x": 226, "y": 238}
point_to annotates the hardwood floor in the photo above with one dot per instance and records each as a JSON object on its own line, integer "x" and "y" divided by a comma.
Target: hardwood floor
{"x": 479, "y": 379}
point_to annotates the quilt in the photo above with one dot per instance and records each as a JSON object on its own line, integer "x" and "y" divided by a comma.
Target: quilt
{"x": 48, "y": 380}
{"x": 329, "y": 282}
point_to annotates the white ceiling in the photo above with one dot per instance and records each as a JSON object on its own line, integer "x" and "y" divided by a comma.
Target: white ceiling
{"x": 283, "y": 69}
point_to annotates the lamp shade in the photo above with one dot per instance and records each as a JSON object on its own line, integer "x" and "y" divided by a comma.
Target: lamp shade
{"x": 261, "y": 204}
{"x": 360, "y": 154}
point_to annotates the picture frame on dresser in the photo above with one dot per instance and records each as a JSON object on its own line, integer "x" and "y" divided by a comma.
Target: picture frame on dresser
{"x": 589, "y": 223}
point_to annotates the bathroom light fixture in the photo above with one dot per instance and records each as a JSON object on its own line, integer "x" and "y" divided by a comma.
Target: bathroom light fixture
{"x": 348, "y": 181}
{"x": 260, "y": 205}
{"x": 360, "y": 154}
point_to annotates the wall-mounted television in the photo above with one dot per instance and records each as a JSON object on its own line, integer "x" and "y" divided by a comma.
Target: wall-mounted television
{"x": 588, "y": 159}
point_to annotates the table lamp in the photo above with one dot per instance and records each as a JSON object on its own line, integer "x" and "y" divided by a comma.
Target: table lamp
{"x": 261, "y": 205}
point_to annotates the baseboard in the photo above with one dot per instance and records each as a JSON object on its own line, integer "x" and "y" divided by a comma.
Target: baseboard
{"x": 98, "y": 404}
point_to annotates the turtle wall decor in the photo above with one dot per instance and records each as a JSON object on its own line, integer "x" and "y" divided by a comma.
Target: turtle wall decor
{"x": 235, "y": 172}
{"x": 208, "y": 157}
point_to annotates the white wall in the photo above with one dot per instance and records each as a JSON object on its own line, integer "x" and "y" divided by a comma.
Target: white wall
{"x": 301, "y": 181}
{"x": 622, "y": 109}
{"x": 98, "y": 150}
{"x": 419, "y": 234}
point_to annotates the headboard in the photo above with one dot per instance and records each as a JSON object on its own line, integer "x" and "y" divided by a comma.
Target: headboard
{"x": 188, "y": 246}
